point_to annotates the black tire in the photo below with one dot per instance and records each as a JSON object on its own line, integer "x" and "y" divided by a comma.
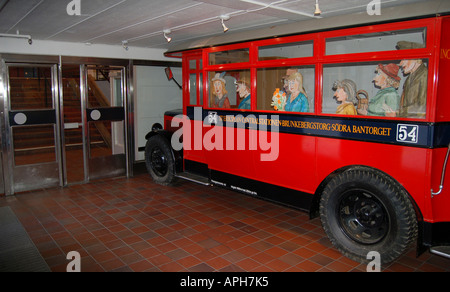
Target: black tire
{"x": 159, "y": 160}
{"x": 363, "y": 210}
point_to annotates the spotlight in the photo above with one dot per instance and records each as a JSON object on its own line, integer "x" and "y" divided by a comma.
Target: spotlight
{"x": 125, "y": 45}
{"x": 317, "y": 12}
{"x": 166, "y": 32}
{"x": 223, "y": 18}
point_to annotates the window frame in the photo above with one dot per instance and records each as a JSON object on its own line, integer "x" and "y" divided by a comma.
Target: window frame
{"x": 187, "y": 72}
{"x": 319, "y": 59}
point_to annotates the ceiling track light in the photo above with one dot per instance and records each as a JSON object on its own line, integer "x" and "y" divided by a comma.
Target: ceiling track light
{"x": 223, "y": 18}
{"x": 317, "y": 12}
{"x": 166, "y": 32}
{"x": 125, "y": 45}
{"x": 17, "y": 36}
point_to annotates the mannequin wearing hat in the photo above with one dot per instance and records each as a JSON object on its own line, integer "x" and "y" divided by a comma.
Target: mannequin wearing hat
{"x": 386, "y": 102}
{"x": 413, "y": 102}
{"x": 220, "y": 94}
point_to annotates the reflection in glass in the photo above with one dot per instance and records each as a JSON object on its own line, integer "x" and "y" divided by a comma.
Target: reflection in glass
{"x": 193, "y": 89}
{"x": 229, "y": 57}
{"x": 375, "y": 42}
{"x": 201, "y": 88}
{"x": 30, "y": 88}
{"x": 287, "y": 51}
{"x": 106, "y": 138}
{"x": 40, "y": 148}
{"x": 100, "y": 139}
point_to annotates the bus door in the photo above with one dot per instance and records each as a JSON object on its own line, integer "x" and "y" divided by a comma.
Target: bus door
{"x": 194, "y": 156}
{"x": 230, "y": 136}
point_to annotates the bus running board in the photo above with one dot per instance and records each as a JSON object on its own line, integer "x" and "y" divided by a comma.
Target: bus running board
{"x": 443, "y": 251}
{"x": 194, "y": 178}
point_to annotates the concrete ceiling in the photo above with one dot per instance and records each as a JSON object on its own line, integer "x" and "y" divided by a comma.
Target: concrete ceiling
{"x": 141, "y": 22}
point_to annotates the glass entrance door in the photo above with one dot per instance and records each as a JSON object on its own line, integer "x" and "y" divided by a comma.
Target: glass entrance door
{"x": 105, "y": 117}
{"x": 33, "y": 155}
{"x": 75, "y": 166}
{"x": 62, "y": 125}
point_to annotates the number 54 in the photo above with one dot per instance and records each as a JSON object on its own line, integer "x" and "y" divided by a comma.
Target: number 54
{"x": 407, "y": 133}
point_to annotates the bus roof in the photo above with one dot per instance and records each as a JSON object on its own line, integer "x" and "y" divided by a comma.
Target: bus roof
{"x": 391, "y": 14}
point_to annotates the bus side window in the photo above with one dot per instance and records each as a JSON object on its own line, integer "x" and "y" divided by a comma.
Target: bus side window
{"x": 376, "y": 41}
{"x": 286, "y": 89}
{"x": 230, "y": 90}
{"x": 383, "y": 89}
{"x": 195, "y": 81}
{"x": 193, "y": 89}
{"x": 413, "y": 102}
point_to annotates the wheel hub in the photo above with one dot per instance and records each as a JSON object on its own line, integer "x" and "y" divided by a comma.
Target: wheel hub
{"x": 159, "y": 162}
{"x": 363, "y": 218}
{"x": 369, "y": 213}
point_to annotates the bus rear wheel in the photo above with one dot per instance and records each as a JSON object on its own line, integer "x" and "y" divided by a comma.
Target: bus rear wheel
{"x": 159, "y": 160}
{"x": 364, "y": 211}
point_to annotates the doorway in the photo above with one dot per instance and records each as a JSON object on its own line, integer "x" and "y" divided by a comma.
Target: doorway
{"x": 32, "y": 146}
{"x": 63, "y": 124}
{"x": 94, "y": 122}
{"x": 105, "y": 115}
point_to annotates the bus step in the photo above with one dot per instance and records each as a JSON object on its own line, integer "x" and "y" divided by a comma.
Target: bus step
{"x": 194, "y": 178}
{"x": 441, "y": 251}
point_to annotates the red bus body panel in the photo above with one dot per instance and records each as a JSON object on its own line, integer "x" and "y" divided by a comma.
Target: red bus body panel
{"x": 305, "y": 161}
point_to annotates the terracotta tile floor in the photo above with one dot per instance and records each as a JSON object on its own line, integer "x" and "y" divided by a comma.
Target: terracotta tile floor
{"x": 134, "y": 225}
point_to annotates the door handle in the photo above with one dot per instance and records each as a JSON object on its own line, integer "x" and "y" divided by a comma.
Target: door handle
{"x": 70, "y": 126}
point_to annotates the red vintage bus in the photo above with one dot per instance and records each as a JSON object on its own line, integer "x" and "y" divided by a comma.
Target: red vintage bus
{"x": 349, "y": 124}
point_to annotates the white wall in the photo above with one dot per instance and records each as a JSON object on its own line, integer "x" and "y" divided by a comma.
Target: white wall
{"x": 154, "y": 95}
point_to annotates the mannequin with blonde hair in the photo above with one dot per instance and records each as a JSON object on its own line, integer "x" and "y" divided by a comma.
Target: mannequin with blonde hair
{"x": 297, "y": 100}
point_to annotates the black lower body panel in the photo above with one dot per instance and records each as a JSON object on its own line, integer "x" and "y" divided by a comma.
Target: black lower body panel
{"x": 285, "y": 196}
{"x": 436, "y": 234}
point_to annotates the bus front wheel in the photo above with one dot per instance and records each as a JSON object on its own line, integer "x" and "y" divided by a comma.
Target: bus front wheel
{"x": 364, "y": 211}
{"x": 159, "y": 160}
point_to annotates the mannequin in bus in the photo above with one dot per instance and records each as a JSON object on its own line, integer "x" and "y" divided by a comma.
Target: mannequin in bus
{"x": 387, "y": 100}
{"x": 220, "y": 94}
{"x": 243, "y": 89}
{"x": 285, "y": 79}
{"x": 413, "y": 102}
{"x": 345, "y": 95}
{"x": 297, "y": 100}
